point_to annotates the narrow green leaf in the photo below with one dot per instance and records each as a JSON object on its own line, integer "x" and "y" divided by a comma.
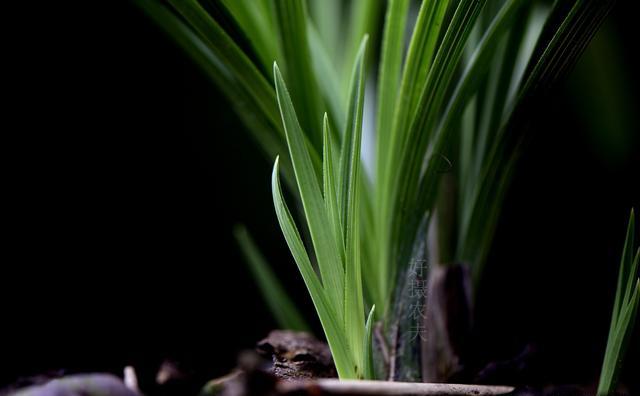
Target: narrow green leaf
{"x": 327, "y": 15}
{"x": 325, "y": 71}
{"x": 279, "y": 303}
{"x": 389, "y": 76}
{"x": 243, "y": 69}
{"x": 251, "y": 17}
{"x": 362, "y": 19}
{"x": 616, "y": 349}
{"x": 352, "y": 137}
{"x": 369, "y": 372}
{"x": 329, "y": 262}
{"x": 627, "y": 251}
{"x": 624, "y": 313}
{"x": 348, "y": 198}
{"x": 292, "y": 24}
{"x": 467, "y": 139}
{"x": 631, "y": 265}
{"x": 560, "y": 45}
{"x": 633, "y": 274}
{"x": 329, "y": 183}
{"x": 371, "y": 272}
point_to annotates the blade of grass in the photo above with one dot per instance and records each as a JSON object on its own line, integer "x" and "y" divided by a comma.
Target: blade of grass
{"x": 369, "y": 372}
{"x": 329, "y": 184}
{"x": 279, "y": 303}
{"x": 348, "y": 203}
{"x": 616, "y": 347}
{"x": 557, "y": 53}
{"x": 625, "y": 310}
{"x": 327, "y": 17}
{"x": 362, "y": 18}
{"x": 250, "y": 16}
{"x": 350, "y": 154}
{"x": 630, "y": 270}
{"x": 389, "y": 76}
{"x": 622, "y": 274}
{"x": 243, "y": 69}
{"x": 292, "y": 26}
{"x": 369, "y": 247}
{"x": 325, "y": 71}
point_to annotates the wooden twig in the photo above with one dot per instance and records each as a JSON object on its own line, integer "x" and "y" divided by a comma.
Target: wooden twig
{"x": 384, "y": 348}
{"x": 384, "y": 388}
{"x": 393, "y": 351}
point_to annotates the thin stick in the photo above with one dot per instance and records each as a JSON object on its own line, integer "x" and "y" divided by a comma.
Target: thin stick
{"x": 377, "y": 332}
{"x": 393, "y": 351}
{"x": 383, "y": 388}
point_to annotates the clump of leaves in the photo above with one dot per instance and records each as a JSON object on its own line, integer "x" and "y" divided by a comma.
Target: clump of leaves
{"x": 333, "y": 220}
{"x": 625, "y": 310}
{"x": 459, "y": 95}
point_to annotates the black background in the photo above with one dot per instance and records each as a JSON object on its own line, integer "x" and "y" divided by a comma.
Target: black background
{"x": 126, "y": 170}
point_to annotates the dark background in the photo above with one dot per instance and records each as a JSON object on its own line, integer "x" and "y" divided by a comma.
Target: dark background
{"x": 126, "y": 171}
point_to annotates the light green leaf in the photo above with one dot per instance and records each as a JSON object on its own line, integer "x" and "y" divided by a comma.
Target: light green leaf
{"x": 292, "y": 25}
{"x": 362, "y": 20}
{"x": 624, "y": 315}
{"x": 326, "y": 73}
{"x": 219, "y": 42}
{"x": 369, "y": 372}
{"x": 259, "y": 29}
{"x": 327, "y": 15}
{"x": 281, "y": 306}
{"x": 389, "y": 76}
{"x": 628, "y": 269}
{"x": 329, "y": 184}
{"x": 352, "y": 137}
{"x": 348, "y": 202}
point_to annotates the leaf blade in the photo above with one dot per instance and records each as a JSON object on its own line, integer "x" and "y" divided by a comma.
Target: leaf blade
{"x": 292, "y": 26}
{"x": 349, "y": 200}
{"x": 369, "y": 372}
{"x": 278, "y": 301}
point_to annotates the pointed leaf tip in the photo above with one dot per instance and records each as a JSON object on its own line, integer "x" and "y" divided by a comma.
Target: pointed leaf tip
{"x": 276, "y": 169}
{"x": 363, "y": 45}
{"x": 276, "y": 71}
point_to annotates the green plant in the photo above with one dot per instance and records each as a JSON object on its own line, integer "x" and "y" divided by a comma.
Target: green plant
{"x": 625, "y": 310}
{"x": 459, "y": 95}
